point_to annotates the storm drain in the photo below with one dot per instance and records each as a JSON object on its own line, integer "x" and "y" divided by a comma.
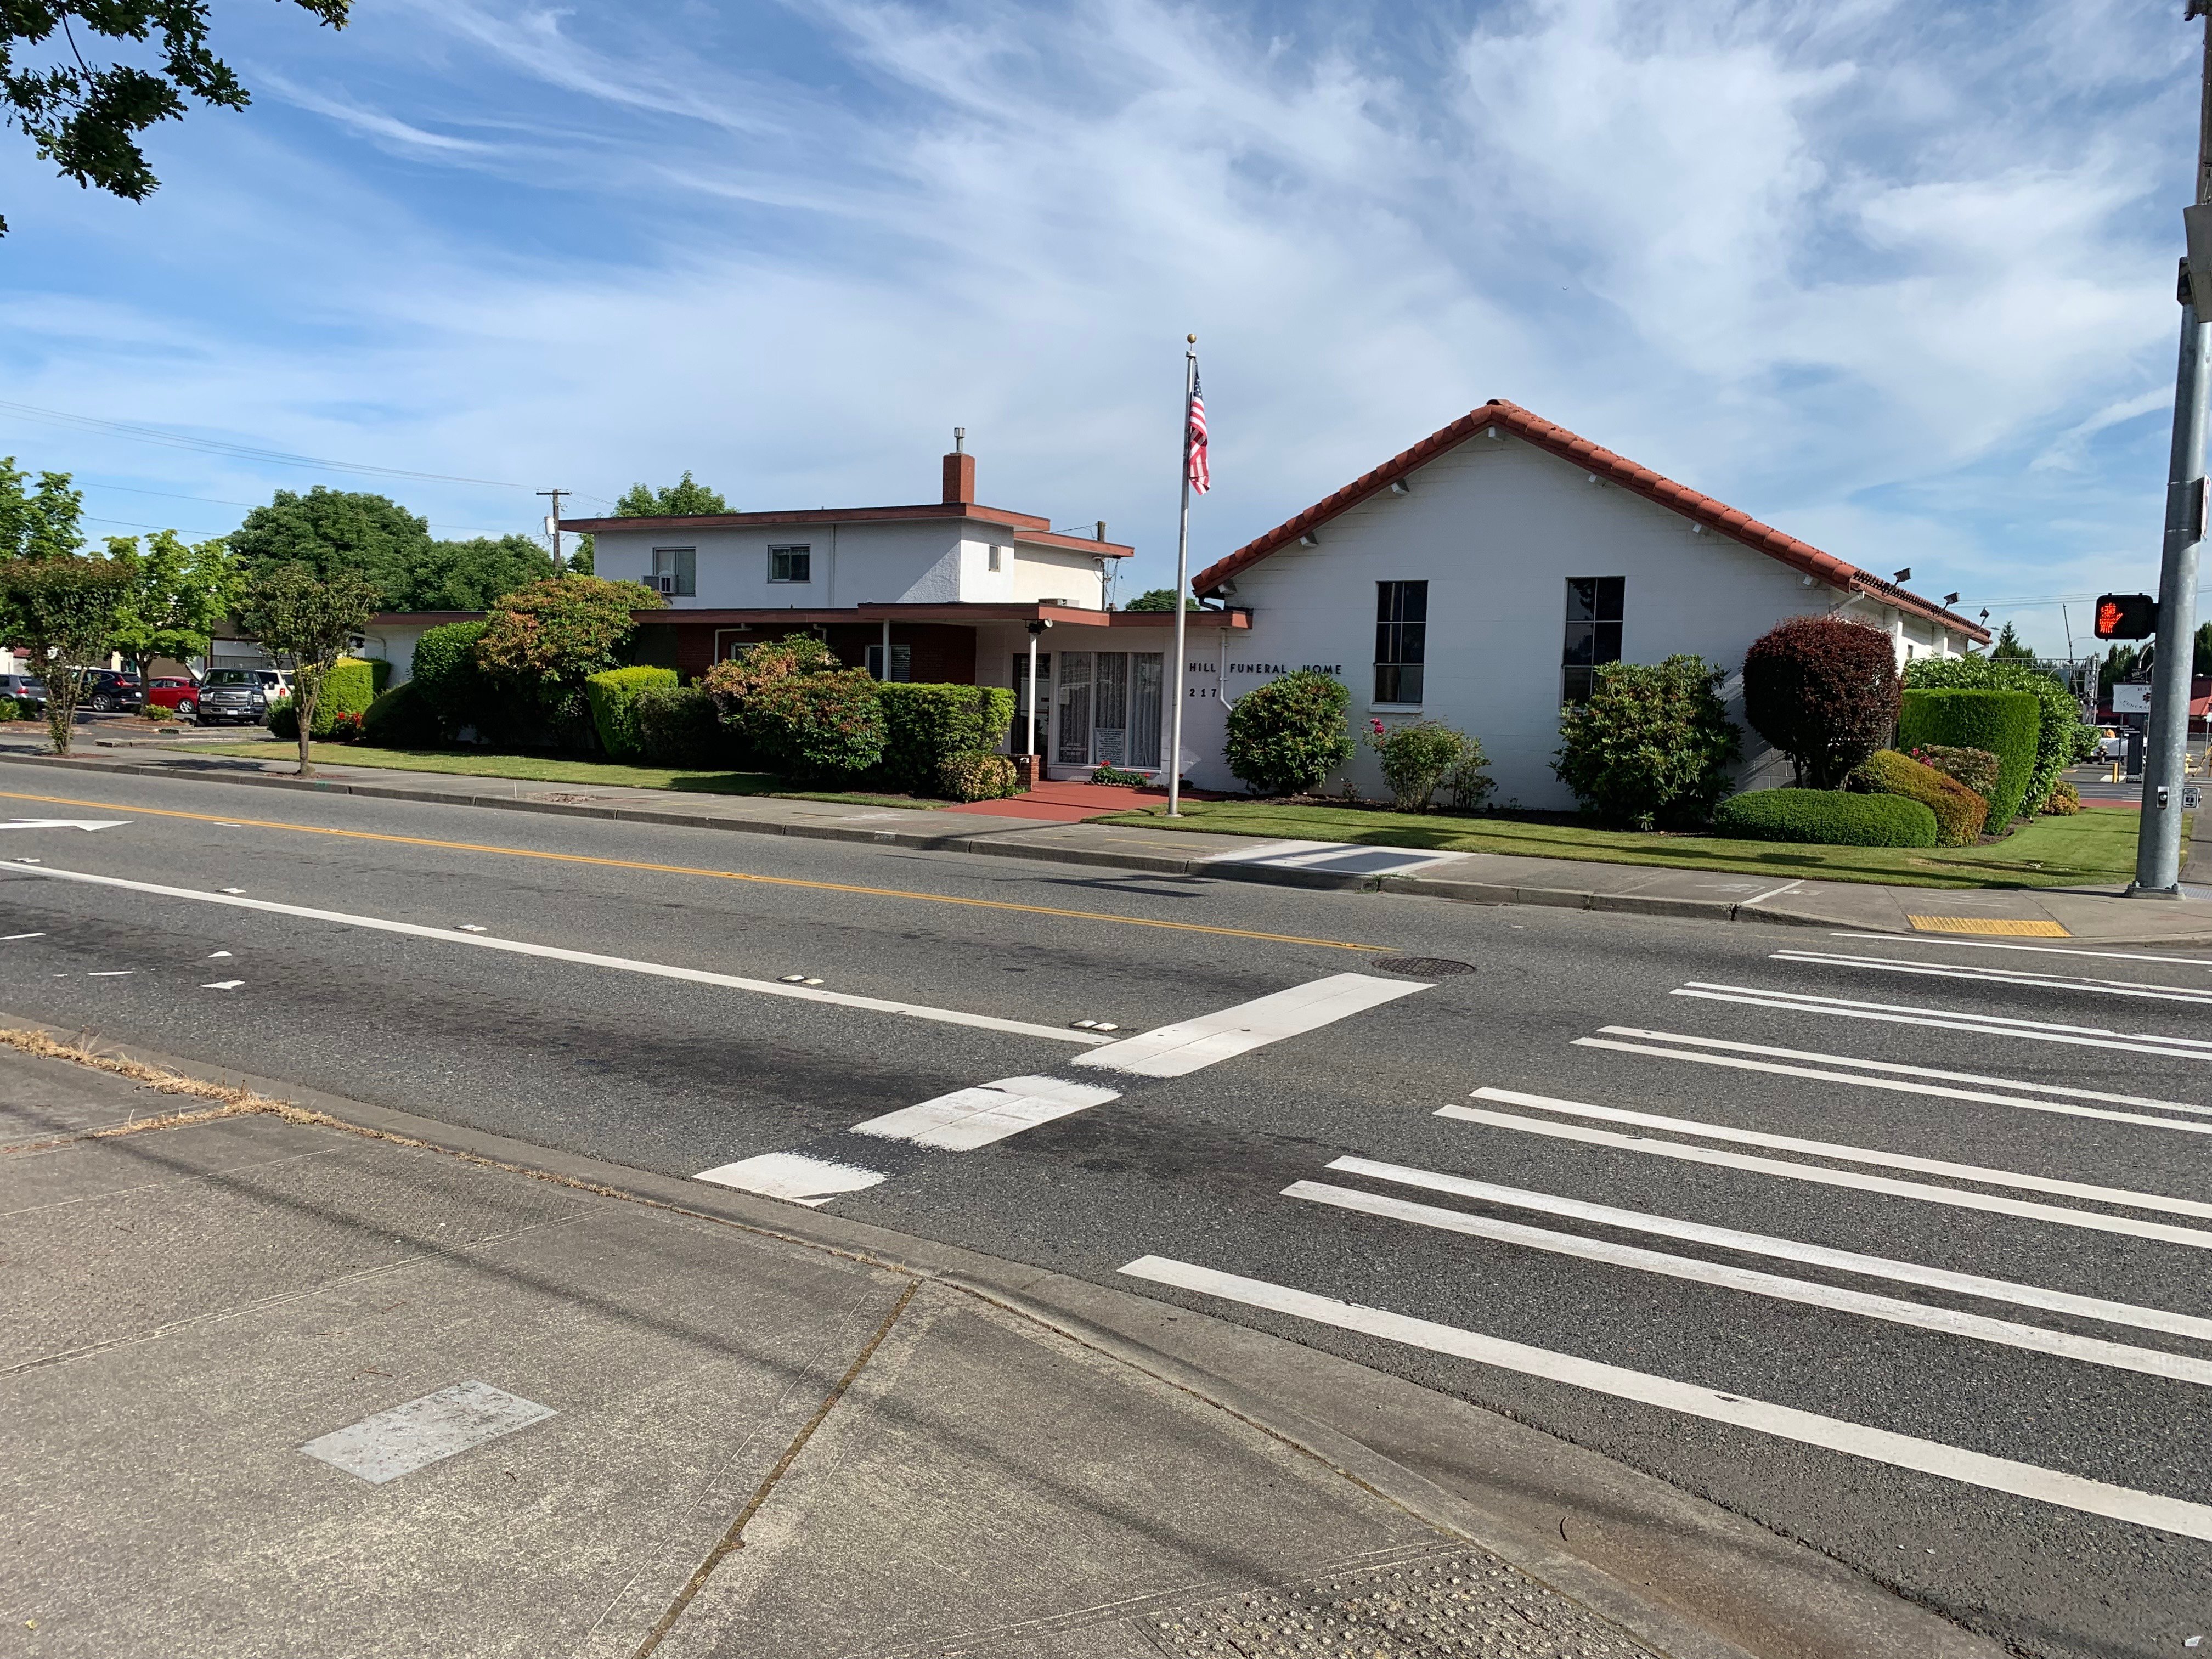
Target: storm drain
{"x": 1453, "y": 1604}
{"x": 1422, "y": 967}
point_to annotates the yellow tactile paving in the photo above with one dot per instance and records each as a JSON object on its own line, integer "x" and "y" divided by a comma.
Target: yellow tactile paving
{"x": 1987, "y": 925}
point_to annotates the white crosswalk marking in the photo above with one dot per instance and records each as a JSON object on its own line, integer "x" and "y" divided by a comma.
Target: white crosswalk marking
{"x": 969, "y": 1118}
{"x": 2003, "y": 1475}
{"x": 1786, "y": 1249}
{"x": 1190, "y": 1045}
{"x": 1951, "y": 1321}
{"x": 2086, "y": 1037}
{"x": 813, "y": 1182}
{"x": 2117, "y": 987}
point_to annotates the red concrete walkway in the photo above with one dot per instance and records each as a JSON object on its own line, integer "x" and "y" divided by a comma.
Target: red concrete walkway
{"x": 1064, "y": 803}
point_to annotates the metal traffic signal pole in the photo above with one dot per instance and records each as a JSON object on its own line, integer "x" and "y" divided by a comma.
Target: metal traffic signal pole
{"x": 2158, "y": 850}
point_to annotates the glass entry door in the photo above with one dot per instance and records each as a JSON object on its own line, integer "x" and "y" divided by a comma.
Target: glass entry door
{"x": 1109, "y": 709}
{"x": 1018, "y": 741}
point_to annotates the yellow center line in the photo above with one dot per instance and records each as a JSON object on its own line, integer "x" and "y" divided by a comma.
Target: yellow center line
{"x": 693, "y": 870}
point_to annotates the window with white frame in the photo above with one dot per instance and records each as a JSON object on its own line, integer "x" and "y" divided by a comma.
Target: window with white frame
{"x": 676, "y": 570}
{"x": 996, "y": 551}
{"x": 791, "y": 564}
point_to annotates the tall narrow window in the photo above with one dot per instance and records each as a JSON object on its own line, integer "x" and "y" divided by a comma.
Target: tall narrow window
{"x": 676, "y": 570}
{"x": 1401, "y": 640}
{"x": 1593, "y": 607}
{"x": 791, "y": 564}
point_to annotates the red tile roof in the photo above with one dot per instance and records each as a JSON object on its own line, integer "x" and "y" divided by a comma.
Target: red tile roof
{"x": 1615, "y": 468}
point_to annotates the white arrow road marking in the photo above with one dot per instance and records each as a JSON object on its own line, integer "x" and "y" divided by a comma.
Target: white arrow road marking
{"x": 66, "y": 824}
{"x": 1902, "y": 1451}
{"x": 223, "y": 985}
{"x": 591, "y": 958}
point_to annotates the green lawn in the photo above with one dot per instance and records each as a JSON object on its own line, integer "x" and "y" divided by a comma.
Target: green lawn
{"x": 2092, "y": 847}
{"x": 541, "y": 768}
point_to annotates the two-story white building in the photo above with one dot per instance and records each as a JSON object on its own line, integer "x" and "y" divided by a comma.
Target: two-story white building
{"x": 949, "y": 591}
{"x": 1480, "y": 577}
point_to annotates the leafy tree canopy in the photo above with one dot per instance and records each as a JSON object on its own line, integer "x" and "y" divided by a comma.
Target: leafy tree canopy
{"x": 375, "y": 538}
{"x": 1160, "y": 598}
{"x": 176, "y": 596}
{"x": 543, "y": 643}
{"x": 2010, "y": 647}
{"x": 86, "y": 118}
{"x": 674, "y": 500}
{"x": 62, "y": 611}
{"x": 41, "y": 523}
{"x": 2203, "y": 663}
{"x": 474, "y": 574}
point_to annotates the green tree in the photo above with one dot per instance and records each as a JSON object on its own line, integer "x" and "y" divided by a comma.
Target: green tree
{"x": 2010, "y": 647}
{"x": 86, "y": 120}
{"x": 674, "y": 501}
{"x": 307, "y": 620}
{"x": 177, "y": 595}
{"x": 473, "y": 576}
{"x": 2120, "y": 663}
{"x": 540, "y": 646}
{"x": 1160, "y": 598}
{"x": 333, "y": 531}
{"x": 2203, "y": 664}
{"x": 41, "y": 523}
{"x": 62, "y": 609}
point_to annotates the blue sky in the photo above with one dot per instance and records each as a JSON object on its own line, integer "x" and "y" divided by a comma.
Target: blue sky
{"x": 1896, "y": 277}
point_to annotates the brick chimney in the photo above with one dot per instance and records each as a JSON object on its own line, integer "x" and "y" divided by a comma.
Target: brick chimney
{"x": 959, "y": 472}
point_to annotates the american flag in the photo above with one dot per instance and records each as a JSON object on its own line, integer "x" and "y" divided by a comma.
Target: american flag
{"x": 1201, "y": 477}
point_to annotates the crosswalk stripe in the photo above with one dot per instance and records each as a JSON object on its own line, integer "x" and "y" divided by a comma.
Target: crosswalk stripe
{"x": 969, "y": 1118}
{"x": 1959, "y": 1197}
{"x": 1988, "y": 1025}
{"x": 813, "y": 1182}
{"x": 1898, "y": 1084}
{"x": 1786, "y": 1249}
{"x": 1950, "y": 1462}
{"x": 1949, "y": 1322}
{"x": 2036, "y": 949}
{"x": 1936, "y": 1166}
{"x": 1190, "y": 1045}
{"x": 1897, "y": 1068}
{"x": 2115, "y": 988}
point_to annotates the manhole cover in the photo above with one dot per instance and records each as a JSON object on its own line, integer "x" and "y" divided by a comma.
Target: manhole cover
{"x": 1423, "y": 967}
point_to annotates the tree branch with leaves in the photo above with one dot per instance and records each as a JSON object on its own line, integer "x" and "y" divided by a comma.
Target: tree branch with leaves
{"x": 62, "y": 612}
{"x": 307, "y": 623}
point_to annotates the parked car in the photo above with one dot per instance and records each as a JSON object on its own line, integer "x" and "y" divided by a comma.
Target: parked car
{"x": 24, "y": 689}
{"x": 104, "y": 690}
{"x": 228, "y": 696}
{"x": 181, "y": 697}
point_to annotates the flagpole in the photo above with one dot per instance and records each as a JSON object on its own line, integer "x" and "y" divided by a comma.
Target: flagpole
{"x": 1181, "y": 582}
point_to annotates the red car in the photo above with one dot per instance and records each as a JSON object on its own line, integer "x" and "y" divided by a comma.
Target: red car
{"x": 181, "y": 695}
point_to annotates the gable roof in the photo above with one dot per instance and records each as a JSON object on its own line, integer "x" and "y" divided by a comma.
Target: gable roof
{"x": 1727, "y": 520}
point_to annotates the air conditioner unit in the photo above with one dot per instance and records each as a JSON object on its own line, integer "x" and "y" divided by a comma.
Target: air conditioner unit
{"x": 664, "y": 584}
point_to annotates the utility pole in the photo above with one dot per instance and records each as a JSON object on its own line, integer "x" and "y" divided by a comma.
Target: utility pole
{"x": 2158, "y": 847}
{"x": 553, "y": 525}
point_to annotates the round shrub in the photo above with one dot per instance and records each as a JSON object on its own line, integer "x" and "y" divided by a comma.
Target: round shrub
{"x": 680, "y": 726}
{"x": 2064, "y": 801}
{"x": 1287, "y": 736}
{"x": 976, "y": 775}
{"x": 818, "y": 725}
{"x": 1826, "y": 817}
{"x": 2062, "y": 737}
{"x": 1650, "y": 746}
{"x": 1416, "y": 759}
{"x": 1958, "y": 811}
{"x": 1823, "y": 692}
{"x": 612, "y": 696}
{"x": 1976, "y": 768}
{"x": 451, "y": 687}
{"x": 2005, "y": 723}
{"x": 401, "y": 719}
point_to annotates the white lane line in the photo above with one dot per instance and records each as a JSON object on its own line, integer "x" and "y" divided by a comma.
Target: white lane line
{"x": 223, "y": 985}
{"x": 1974, "y": 1468}
{"x": 590, "y": 959}
{"x": 1190, "y": 1045}
{"x": 1958, "y": 1197}
{"x": 2040, "y": 949}
{"x": 1898, "y": 1068}
{"x": 1921, "y": 1316}
{"x": 109, "y": 973}
{"x": 425, "y": 1431}
{"x": 1788, "y": 1250}
{"x": 2109, "y": 988}
{"x": 813, "y": 1182}
{"x": 2172, "y": 1047}
{"x": 1935, "y": 1166}
{"x": 969, "y": 1118}
{"x": 5, "y": 937}
{"x": 1898, "y": 1085}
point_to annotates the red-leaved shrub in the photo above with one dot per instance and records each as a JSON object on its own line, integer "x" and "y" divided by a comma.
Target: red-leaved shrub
{"x": 1824, "y": 692}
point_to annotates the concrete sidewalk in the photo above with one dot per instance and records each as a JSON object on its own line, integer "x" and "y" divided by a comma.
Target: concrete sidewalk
{"x": 2093, "y": 916}
{"x": 280, "y": 1384}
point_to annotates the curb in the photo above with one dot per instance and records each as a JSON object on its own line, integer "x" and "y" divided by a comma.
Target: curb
{"x": 1055, "y": 1301}
{"x": 1462, "y": 892}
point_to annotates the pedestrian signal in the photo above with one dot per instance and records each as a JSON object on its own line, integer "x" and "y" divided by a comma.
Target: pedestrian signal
{"x": 2126, "y": 617}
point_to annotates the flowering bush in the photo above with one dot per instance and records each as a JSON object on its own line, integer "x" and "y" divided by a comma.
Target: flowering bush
{"x": 2064, "y": 801}
{"x": 345, "y": 725}
{"x": 976, "y": 775}
{"x": 1416, "y": 759}
{"x": 542, "y": 642}
{"x": 1117, "y": 778}
{"x": 1976, "y": 768}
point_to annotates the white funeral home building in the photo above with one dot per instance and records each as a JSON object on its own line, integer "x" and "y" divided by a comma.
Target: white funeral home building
{"x": 1479, "y": 577}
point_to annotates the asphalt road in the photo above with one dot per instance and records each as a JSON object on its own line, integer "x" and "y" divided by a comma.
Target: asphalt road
{"x": 2036, "y": 1143}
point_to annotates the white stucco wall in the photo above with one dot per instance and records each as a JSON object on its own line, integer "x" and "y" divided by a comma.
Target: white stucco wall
{"x": 1495, "y": 528}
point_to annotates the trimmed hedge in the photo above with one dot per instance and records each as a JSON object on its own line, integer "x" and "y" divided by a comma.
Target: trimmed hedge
{"x": 1826, "y": 817}
{"x": 925, "y": 725}
{"x": 453, "y": 687}
{"x": 613, "y": 695}
{"x": 1959, "y": 812}
{"x": 1976, "y": 768}
{"x": 2008, "y": 724}
{"x": 349, "y": 688}
{"x": 817, "y": 726}
{"x": 680, "y": 726}
{"x": 1287, "y": 735}
{"x": 2062, "y": 738}
{"x": 401, "y": 719}
{"x": 978, "y": 775}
